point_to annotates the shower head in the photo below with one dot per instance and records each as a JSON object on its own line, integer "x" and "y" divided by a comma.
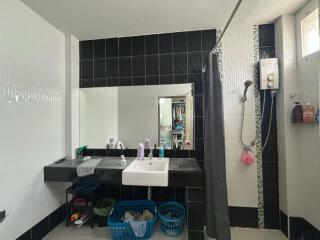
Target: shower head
{"x": 247, "y": 84}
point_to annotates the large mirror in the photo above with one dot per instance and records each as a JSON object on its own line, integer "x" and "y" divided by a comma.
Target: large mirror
{"x": 123, "y": 117}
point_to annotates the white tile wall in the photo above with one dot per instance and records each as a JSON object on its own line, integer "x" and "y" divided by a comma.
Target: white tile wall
{"x": 72, "y": 94}
{"x": 299, "y": 164}
{"x": 32, "y": 119}
{"x": 238, "y": 66}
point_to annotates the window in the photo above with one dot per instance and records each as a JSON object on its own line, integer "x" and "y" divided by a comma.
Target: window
{"x": 310, "y": 33}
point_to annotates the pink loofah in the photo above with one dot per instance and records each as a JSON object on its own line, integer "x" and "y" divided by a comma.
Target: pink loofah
{"x": 247, "y": 157}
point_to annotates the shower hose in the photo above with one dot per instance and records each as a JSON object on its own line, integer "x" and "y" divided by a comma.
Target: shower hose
{"x": 248, "y": 146}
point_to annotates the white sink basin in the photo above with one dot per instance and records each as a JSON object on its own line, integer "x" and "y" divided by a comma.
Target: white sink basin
{"x": 147, "y": 172}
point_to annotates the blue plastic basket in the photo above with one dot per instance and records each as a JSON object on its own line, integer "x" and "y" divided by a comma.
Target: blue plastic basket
{"x": 172, "y": 217}
{"x": 121, "y": 230}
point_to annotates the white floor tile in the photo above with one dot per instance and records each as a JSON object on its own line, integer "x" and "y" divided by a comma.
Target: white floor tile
{"x": 61, "y": 232}
{"x": 86, "y": 233}
{"x": 256, "y": 234}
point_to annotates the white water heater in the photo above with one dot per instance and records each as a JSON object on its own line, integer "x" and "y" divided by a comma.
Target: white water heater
{"x": 269, "y": 74}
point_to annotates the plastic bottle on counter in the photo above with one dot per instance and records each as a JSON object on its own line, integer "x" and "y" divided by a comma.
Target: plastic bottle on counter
{"x": 140, "y": 151}
{"x": 161, "y": 152}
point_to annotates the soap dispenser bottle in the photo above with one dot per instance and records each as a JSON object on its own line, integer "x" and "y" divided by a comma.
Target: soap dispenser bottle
{"x": 161, "y": 152}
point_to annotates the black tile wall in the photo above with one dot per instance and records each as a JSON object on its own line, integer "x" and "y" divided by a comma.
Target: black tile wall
{"x": 86, "y": 50}
{"x": 125, "y": 67}
{"x": 168, "y": 194}
{"x": 266, "y": 35}
{"x": 195, "y": 212}
{"x": 302, "y": 229}
{"x": 195, "y": 194}
{"x": 180, "y": 78}
{"x": 180, "y": 63}
{"x": 243, "y": 217}
{"x": 166, "y": 79}
{"x": 208, "y": 40}
{"x": 166, "y": 64}
{"x": 284, "y": 223}
{"x": 194, "y": 62}
{"x": 99, "y": 68}
{"x": 25, "y": 236}
{"x": 250, "y": 217}
{"x": 235, "y": 216}
{"x": 57, "y": 217}
{"x": 169, "y": 58}
{"x": 165, "y": 43}
{"x": 194, "y": 41}
{"x": 43, "y": 227}
{"x": 138, "y": 45}
{"x": 195, "y": 235}
{"x": 138, "y": 66}
{"x": 152, "y": 44}
{"x": 270, "y": 153}
{"x": 112, "y": 67}
{"x": 112, "y": 47}
{"x": 125, "y": 46}
{"x": 180, "y": 42}
{"x": 87, "y": 69}
{"x": 99, "y": 48}
{"x": 152, "y": 80}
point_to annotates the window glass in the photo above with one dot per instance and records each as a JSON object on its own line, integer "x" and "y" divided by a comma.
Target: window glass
{"x": 310, "y": 33}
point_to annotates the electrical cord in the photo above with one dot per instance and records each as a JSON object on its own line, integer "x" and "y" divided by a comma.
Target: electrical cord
{"x": 263, "y": 105}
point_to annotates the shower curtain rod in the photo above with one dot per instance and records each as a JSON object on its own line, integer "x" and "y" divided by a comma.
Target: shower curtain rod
{"x": 227, "y": 25}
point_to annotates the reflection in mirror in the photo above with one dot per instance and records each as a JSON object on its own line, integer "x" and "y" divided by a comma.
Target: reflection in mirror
{"x": 123, "y": 117}
{"x": 176, "y": 121}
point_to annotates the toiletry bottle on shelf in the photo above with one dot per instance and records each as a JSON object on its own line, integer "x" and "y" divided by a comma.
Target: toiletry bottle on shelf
{"x": 317, "y": 118}
{"x": 308, "y": 113}
{"x": 297, "y": 113}
{"x": 140, "y": 151}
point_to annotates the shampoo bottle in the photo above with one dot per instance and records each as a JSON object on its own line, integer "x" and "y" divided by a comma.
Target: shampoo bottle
{"x": 308, "y": 113}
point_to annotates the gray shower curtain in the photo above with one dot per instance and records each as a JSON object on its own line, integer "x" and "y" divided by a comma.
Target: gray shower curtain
{"x": 216, "y": 200}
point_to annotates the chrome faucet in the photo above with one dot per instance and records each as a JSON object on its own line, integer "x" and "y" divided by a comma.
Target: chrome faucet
{"x": 119, "y": 144}
{"x": 121, "y": 147}
{"x": 150, "y": 154}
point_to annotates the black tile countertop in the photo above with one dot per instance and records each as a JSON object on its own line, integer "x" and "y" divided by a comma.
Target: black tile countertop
{"x": 182, "y": 171}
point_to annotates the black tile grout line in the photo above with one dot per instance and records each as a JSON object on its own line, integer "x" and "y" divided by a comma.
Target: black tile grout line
{"x": 179, "y": 74}
{"x": 141, "y": 55}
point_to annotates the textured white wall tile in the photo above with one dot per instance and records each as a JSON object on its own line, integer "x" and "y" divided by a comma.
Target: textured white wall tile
{"x": 32, "y": 88}
{"x": 241, "y": 180}
{"x": 299, "y": 152}
{"x": 237, "y": 67}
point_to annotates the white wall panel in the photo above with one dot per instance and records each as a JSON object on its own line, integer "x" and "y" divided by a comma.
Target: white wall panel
{"x": 32, "y": 119}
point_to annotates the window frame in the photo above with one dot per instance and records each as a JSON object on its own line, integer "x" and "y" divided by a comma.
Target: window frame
{"x": 300, "y": 16}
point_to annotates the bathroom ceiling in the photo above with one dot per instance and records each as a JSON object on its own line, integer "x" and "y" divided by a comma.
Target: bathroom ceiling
{"x": 92, "y": 19}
